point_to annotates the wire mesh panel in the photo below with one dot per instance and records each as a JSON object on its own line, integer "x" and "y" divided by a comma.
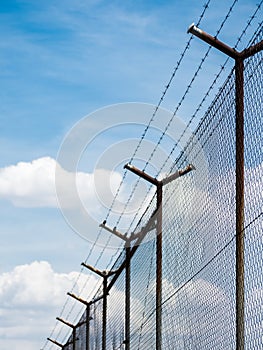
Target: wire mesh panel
{"x": 81, "y": 332}
{"x": 96, "y": 337}
{"x": 199, "y": 314}
{"x": 253, "y": 88}
{"x": 69, "y": 343}
{"x": 143, "y": 295}
{"x": 116, "y": 314}
{"x": 254, "y": 283}
{"x": 198, "y": 233}
{"x": 199, "y": 209}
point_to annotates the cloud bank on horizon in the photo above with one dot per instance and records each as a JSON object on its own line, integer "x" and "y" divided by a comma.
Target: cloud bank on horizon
{"x": 30, "y": 295}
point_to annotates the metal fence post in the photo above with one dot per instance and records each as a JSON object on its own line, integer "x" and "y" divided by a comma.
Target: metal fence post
{"x": 240, "y": 263}
{"x": 159, "y": 188}
{"x": 73, "y": 331}
{"x": 127, "y": 265}
{"x": 159, "y": 257}
{"x": 240, "y": 164}
{"x": 88, "y": 318}
{"x": 128, "y": 241}
{"x": 104, "y": 313}
{"x": 127, "y": 296}
{"x": 104, "y": 275}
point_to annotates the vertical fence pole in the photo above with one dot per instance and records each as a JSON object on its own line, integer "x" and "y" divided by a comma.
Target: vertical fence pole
{"x": 87, "y": 326}
{"x": 127, "y": 296}
{"x": 128, "y": 240}
{"x": 104, "y": 275}
{"x": 159, "y": 217}
{"x": 159, "y": 187}
{"x": 239, "y": 84}
{"x": 74, "y": 338}
{"x": 240, "y": 195}
{"x": 88, "y": 318}
{"x": 73, "y": 327}
{"x": 104, "y": 313}
{"x": 159, "y": 268}
{"x": 239, "y": 105}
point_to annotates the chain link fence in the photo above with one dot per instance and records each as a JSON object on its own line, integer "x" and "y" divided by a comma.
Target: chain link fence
{"x": 199, "y": 304}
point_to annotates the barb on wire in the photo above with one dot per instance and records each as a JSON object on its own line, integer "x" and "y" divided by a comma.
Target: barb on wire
{"x": 174, "y": 114}
{"x": 182, "y": 56}
{"x": 222, "y": 68}
{"x": 251, "y": 18}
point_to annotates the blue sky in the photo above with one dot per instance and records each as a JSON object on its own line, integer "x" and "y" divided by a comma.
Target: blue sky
{"x": 60, "y": 61}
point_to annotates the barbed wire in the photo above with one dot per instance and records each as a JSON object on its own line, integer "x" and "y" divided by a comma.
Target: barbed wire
{"x": 167, "y": 86}
{"x": 198, "y": 109}
{"x": 172, "y": 118}
{"x": 143, "y": 136}
{"x": 145, "y": 131}
{"x": 125, "y": 174}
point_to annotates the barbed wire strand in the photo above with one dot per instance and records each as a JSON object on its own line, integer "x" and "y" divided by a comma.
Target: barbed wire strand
{"x": 167, "y": 86}
{"x": 156, "y": 109}
{"x": 206, "y": 6}
{"x": 199, "y": 107}
{"x": 189, "y": 86}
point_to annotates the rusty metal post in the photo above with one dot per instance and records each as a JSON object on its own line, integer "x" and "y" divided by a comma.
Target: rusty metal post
{"x": 127, "y": 296}
{"x": 128, "y": 240}
{"x": 211, "y": 40}
{"x": 159, "y": 216}
{"x": 159, "y": 268}
{"x": 240, "y": 263}
{"x": 74, "y": 338}
{"x": 104, "y": 313}
{"x": 73, "y": 331}
{"x": 240, "y": 196}
{"x": 159, "y": 187}
{"x": 55, "y": 342}
{"x": 88, "y": 318}
{"x": 104, "y": 275}
{"x": 239, "y": 105}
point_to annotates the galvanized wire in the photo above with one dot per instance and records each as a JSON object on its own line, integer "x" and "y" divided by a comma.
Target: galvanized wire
{"x": 198, "y": 306}
{"x": 208, "y": 92}
{"x": 179, "y": 105}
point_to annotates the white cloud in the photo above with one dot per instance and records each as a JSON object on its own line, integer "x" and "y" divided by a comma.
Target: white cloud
{"x": 32, "y": 184}
{"x": 31, "y": 296}
{"x": 36, "y": 285}
{"x": 83, "y": 197}
{"x": 29, "y": 184}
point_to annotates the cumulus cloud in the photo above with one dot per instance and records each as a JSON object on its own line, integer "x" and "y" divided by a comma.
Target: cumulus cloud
{"x": 29, "y": 184}
{"x": 31, "y": 296}
{"x": 35, "y": 285}
{"x": 83, "y": 198}
{"x": 33, "y": 184}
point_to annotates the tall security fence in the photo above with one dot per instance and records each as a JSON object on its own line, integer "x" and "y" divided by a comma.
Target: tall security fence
{"x": 190, "y": 276}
